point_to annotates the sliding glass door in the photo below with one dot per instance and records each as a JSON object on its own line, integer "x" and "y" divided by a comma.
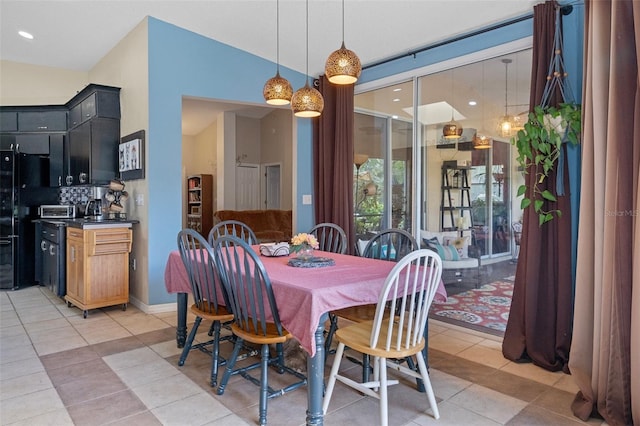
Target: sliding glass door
{"x": 383, "y": 141}
{"x": 400, "y": 149}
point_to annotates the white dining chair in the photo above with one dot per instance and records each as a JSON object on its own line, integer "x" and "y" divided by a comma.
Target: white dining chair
{"x": 396, "y": 332}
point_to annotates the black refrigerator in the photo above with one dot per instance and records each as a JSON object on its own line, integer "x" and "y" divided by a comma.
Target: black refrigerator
{"x": 24, "y": 180}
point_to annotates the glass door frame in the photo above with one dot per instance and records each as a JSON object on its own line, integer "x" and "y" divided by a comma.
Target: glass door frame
{"x": 419, "y": 201}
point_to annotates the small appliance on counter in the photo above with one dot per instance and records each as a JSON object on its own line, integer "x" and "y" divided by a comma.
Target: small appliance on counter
{"x": 95, "y": 207}
{"x": 55, "y": 211}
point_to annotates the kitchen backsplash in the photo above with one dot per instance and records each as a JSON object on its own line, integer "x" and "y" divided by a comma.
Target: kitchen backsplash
{"x": 74, "y": 195}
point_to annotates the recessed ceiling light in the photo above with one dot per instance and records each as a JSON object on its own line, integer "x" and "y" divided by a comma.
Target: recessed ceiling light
{"x": 25, "y": 35}
{"x": 395, "y": 117}
{"x": 397, "y": 89}
{"x": 396, "y": 100}
{"x": 473, "y": 103}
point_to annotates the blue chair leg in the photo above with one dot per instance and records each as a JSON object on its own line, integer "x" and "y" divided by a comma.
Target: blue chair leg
{"x": 230, "y": 364}
{"x": 264, "y": 391}
{"x": 215, "y": 353}
{"x": 189, "y": 342}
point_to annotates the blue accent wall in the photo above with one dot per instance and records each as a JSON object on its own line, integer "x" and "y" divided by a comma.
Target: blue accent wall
{"x": 305, "y": 213}
{"x": 183, "y": 63}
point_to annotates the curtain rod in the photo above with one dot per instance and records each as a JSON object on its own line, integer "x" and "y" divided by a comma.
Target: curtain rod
{"x": 564, "y": 9}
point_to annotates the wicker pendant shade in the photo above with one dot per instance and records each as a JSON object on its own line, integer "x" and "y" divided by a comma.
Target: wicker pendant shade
{"x": 452, "y": 130}
{"x": 482, "y": 142}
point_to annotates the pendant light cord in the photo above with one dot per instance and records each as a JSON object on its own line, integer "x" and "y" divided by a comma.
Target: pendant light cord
{"x": 278, "y": 36}
{"x": 506, "y": 77}
{"x": 342, "y": 21}
{"x": 307, "y": 77}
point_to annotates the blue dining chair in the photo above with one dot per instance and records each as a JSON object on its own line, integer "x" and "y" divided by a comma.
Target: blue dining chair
{"x": 391, "y": 245}
{"x": 331, "y": 237}
{"x": 209, "y": 297}
{"x": 232, "y": 227}
{"x": 256, "y": 318}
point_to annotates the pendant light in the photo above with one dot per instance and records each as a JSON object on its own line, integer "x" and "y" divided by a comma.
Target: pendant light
{"x": 482, "y": 140}
{"x": 307, "y": 101}
{"x": 507, "y": 122}
{"x": 452, "y": 130}
{"x": 277, "y": 90}
{"x": 343, "y": 65}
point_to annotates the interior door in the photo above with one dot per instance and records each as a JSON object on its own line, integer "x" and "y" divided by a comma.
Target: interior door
{"x": 272, "y": 186}
{"x": 248, "y": 187}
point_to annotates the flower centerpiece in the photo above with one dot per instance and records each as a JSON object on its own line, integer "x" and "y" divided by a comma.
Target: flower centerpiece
{"x": 304, "y": 244}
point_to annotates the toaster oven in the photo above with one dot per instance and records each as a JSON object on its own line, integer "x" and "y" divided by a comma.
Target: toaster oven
{"x": 56, "y": 212}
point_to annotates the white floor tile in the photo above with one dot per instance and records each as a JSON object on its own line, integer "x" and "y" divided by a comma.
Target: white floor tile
{"x": 488, "y": 403}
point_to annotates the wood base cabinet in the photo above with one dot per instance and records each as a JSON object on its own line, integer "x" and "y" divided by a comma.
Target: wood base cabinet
{"x": 98, "y": 267}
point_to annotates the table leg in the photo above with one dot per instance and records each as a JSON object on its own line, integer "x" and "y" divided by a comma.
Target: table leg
{"x": 181, "y": 329}
{"x": 315, "y": 378}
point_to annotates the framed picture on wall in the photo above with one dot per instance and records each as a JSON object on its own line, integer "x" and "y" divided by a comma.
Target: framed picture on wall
{"x": 131, "y": 156}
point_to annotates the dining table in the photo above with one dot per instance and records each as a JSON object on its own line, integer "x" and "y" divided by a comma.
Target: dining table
{"x": 304, "y": 296}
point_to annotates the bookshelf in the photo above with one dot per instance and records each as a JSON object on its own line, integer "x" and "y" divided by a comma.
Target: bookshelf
{"x": 199, "y": 203}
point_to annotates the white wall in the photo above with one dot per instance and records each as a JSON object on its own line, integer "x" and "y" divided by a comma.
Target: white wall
{"x": 126, "y": 66}
{"x": 22, "y": 84}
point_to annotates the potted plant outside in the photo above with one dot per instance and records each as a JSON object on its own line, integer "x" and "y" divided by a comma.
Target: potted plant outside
{"x": 539, "y": 147}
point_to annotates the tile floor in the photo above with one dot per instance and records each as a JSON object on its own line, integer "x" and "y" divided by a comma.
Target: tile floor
{"x": 120, "y": 368}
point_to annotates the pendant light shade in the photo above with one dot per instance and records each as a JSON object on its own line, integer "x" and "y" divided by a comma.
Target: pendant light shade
{"x": 277, "y": 90}
{"x": 343, "y": 66}
{"x": 507, "y": 124}
{"x": 452, "y": 130}
{"x": 482, "y": 142}
{"x": 307, "y": 101}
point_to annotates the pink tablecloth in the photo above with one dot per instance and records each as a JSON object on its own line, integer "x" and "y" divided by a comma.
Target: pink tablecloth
{"x": 303, "y": 295}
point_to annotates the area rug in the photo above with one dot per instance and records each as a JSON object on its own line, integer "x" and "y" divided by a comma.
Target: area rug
{"x": 483, "y": 309}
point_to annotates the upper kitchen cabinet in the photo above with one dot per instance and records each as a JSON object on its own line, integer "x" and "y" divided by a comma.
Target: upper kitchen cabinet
{"x": 94, "y": 101}
{"x": 94, "y": 134}
{"x": 30, "y": 119}
{"x": 8, "y": 121}
{"x": 50, "y": 120}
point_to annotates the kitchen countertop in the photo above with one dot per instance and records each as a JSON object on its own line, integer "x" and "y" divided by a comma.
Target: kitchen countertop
{"x": 83, "y": 223}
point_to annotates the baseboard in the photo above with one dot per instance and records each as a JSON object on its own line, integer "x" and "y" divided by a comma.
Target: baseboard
{"x": 153, "y": 309}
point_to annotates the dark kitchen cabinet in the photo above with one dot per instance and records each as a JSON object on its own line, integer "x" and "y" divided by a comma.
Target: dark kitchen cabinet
{"x": 47, "y": 150}
{"x": 32, "y": 143}
{"x": 94, "y": 101}
{"x": 93, "y": 151}
{"x": 8, "y": 121}
{"x": 53, "y": 120}
{"x": 94, "y": 134}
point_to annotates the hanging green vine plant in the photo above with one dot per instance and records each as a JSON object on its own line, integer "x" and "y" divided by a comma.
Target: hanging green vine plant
{"x": 539, "y": 147}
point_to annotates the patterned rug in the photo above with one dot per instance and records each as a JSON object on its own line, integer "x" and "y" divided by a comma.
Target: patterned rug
{"x": 483, "y": 309}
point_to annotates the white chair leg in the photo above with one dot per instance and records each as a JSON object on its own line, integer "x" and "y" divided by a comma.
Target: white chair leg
{"x": 427, "y": 385}
{"x": 384, "y": 404}
{"x": 376, "y": 370}
{"x": 332, "y": 377}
